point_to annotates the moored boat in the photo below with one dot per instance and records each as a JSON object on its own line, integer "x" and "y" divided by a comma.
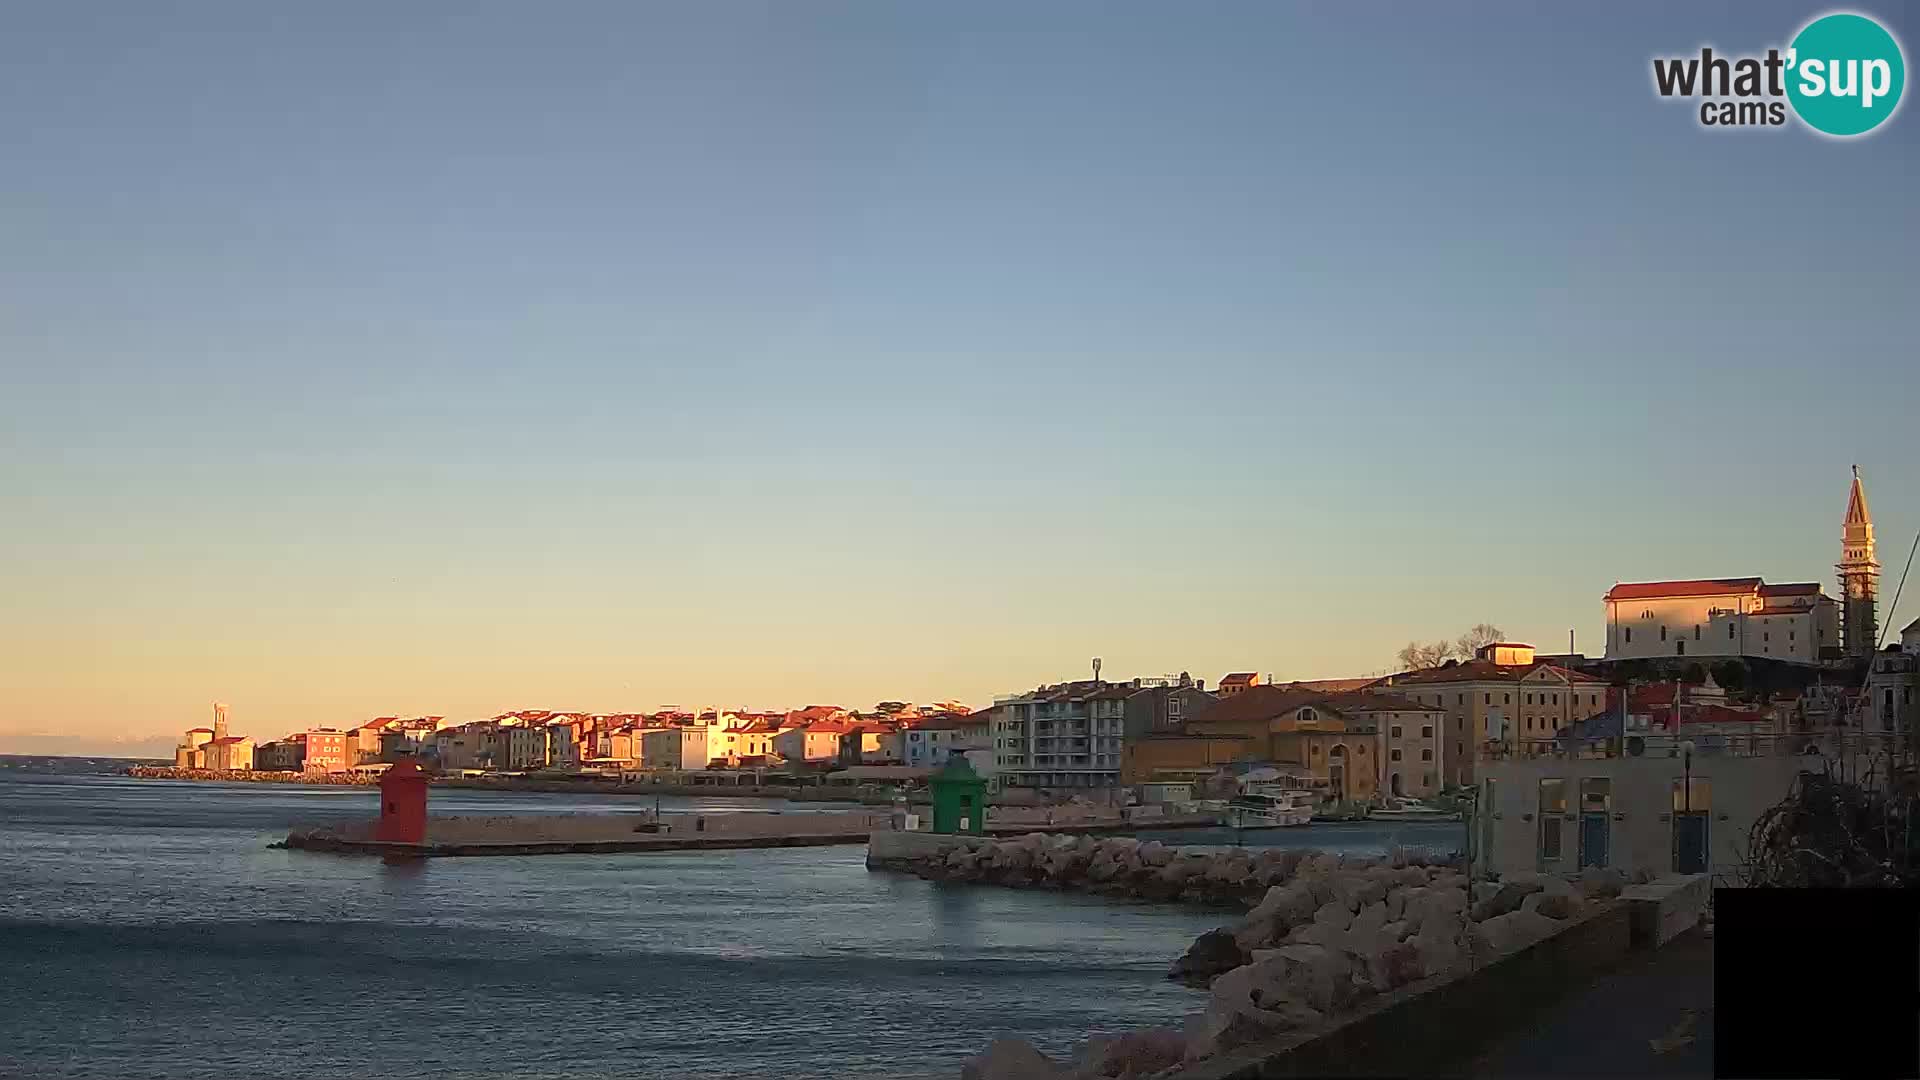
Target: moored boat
{"x": 1269, "y": 810}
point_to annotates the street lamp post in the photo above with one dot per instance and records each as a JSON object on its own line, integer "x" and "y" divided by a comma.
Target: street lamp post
{"x": 1686, "y": 797}
{"x": 1686, "y": 771}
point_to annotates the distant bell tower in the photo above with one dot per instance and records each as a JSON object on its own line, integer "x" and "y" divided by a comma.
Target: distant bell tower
{"x": 1859, "y": 576}
{"x": 219, "y": 721}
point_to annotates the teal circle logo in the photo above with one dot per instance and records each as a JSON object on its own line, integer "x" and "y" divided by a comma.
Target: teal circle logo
{"x": 1845, "y": 74}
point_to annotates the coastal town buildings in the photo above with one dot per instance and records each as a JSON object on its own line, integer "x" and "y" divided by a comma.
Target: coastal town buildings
{"x": 1162, "y": 705}
{"x": 1410, "y": 756}
{"x": 682, "y": 749}
{"x": 928, "y": 743}
{"x": 816, "y": 740}
{"x": 214, "y": 748}
{"x": 281, "y": 755}
{"x": 1890, "y": 703}
{"x": 1238, "y": 682}
{"x": 1500, "y": 702}
{"x": 1184, "y": 757}
{"x": 327, "y": 750}
{"x": 1683, "y": 801}
{"x": 1745, "y": 617}
{"x": 1067, "y": 735}
{"x": 752, "y": 739}
{"x": 521, "y": 746}
{"x": 191, "y": 753}
{"x": 233, "y": 753}
{"x": 1722, "y": 617}
{"x": 1330, "y": 740}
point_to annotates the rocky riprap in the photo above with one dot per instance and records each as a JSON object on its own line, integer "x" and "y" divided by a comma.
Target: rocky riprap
{"x": 1115, "y": 866}
{"x": 1324, "y": 936}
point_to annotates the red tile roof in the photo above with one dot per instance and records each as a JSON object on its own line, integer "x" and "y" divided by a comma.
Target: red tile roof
{"x": 1708, "y": 714}
{"x": 1333, "y": 686}
{"x": 949, "y": 722}
{"x": 1487, "y": 671}
{"x": 1239, "y": 678}
{"x": 1352, "y": 702}
{"x": 1792, "y": 588}
{"x": 1263, "y": 703}
{"x": 1654, "y": 590}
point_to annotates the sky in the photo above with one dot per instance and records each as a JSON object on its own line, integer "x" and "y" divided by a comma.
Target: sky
{"x": 448, "y": 358}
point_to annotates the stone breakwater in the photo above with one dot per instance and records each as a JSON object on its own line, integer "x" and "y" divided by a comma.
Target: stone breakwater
{"x": 1108, "y": 866}
{"x": 1325, "y": 936}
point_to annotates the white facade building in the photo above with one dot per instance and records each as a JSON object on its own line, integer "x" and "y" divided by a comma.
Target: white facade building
{"x": 1722, "y": 618}
{"x": 680, "y": 748}
{"x": 932, "y": 742}
{"x": 1637, "y": 811}
{"x": 1069, "y": 735}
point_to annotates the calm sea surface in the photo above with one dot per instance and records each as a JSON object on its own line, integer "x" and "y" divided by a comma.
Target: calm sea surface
{"x": 147, "y": 931}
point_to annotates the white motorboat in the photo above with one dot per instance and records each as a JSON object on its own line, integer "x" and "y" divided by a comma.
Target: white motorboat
{"x": 1269, "y": 810}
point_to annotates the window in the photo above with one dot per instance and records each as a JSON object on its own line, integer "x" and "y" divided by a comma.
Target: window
{"x": 1426, "y": 755}
{"x": 1679, "y": 648}
{"x": 1394, "y": 754}
{"x": 1396, "y": 731}
{"x": 1489, "y": 700}
{"x": 1729, "y": 631}
{"x": 1553, "y": 804}
{"x": 1529, "y": 699}
{"x": 1790, "y": 634}
{"x": 1427, "y": 779}
{"x": 1663, "y": 633}
{"x": 1629, "y": 633}
{"x": 1701, "y": 798}
{"x": 1426, "y": 731}
{"x": 1696, "y": 631}
{"x": 1764, "y": 636}
{"x": 1506, "y": 699}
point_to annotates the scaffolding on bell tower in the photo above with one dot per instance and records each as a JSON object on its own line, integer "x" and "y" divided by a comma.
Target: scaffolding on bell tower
{"x": 1859, "y": 576}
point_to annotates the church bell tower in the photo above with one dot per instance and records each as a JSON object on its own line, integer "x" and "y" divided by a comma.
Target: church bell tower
{"x": 1859, "y": 576}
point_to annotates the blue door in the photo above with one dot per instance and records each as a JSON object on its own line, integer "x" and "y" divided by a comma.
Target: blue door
{"x": 1690, "y": 842}
{"x": 1593, "y": 839}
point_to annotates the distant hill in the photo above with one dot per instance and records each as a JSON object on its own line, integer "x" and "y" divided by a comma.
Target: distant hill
{"x": 71, "y": 766}
{"x": 38, "y": 745}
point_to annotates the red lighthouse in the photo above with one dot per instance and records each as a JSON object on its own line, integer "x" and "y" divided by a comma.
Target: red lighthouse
{"x": 403, "y": 805}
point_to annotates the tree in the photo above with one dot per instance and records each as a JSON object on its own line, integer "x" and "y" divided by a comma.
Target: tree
{"x": 1731, "y": 675}
{"x": 1477, "y": 638}
{"x": 1415, "y": 656}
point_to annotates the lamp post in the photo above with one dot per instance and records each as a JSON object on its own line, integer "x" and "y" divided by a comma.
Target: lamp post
{"x": 1686, "y": 770}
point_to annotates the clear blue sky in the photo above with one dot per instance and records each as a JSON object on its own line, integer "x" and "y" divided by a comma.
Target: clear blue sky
{"x": 456, "y": 357}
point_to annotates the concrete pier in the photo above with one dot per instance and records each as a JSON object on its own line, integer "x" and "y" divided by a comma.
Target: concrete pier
{"x": 575, "y": 834}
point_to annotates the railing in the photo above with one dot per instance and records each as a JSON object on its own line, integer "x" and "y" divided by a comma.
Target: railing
{"x": 1769, "y": 744}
